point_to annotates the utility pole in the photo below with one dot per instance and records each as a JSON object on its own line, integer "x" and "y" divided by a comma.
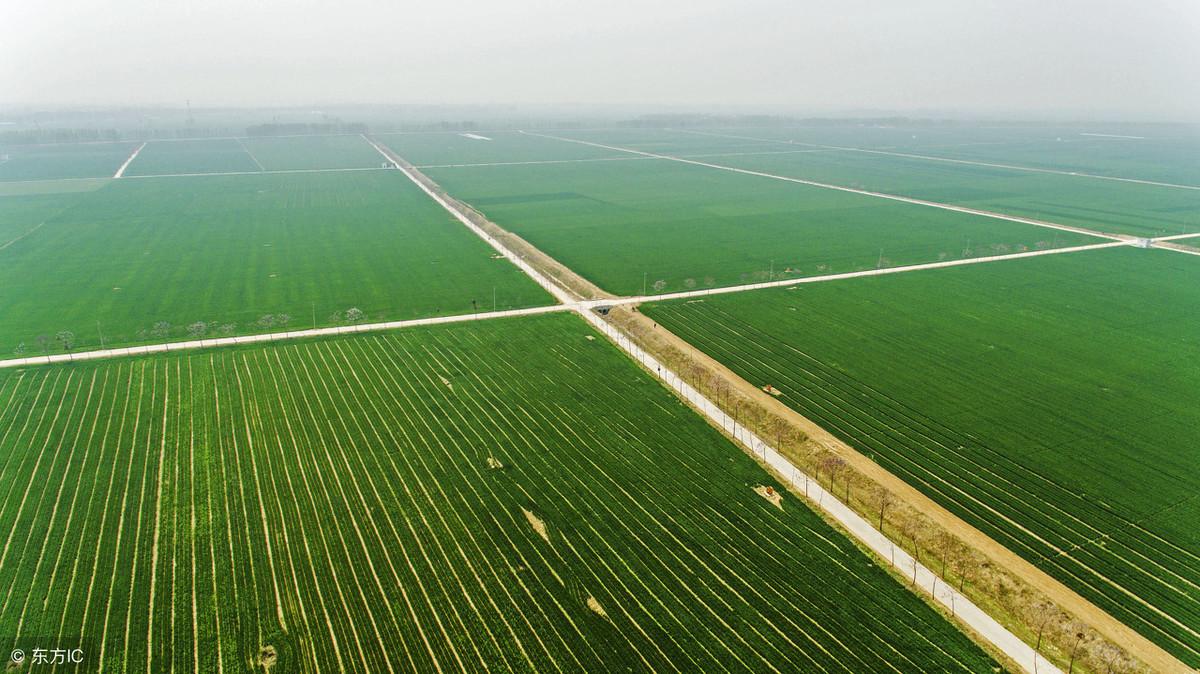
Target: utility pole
{"x": 879, "y": 263}
{"x": 771, "y": 273}
{"x": 101, "y": 333}
{"x": 493, "y": 299}
{"x": 314, "y": 309}
{"x": 644, "y": 284}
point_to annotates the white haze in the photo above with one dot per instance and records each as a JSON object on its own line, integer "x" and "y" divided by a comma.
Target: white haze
{"x": 1091, "y": 58}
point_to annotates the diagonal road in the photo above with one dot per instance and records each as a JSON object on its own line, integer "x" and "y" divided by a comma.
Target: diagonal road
{"x": 949, "y": 160}
{"x": 962, "y": 607}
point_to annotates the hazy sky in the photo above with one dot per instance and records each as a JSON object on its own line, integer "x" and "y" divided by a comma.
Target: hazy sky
{"x": 1090, "y": 57}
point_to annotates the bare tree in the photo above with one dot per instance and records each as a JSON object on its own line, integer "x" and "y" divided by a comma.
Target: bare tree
{"x": 161, "y": 329}
{"x": 883, "y": 500}
{"x": 44, "y": 342}
{"x": 834, "y": 465}
{"x": 283, "y": 319}
{"x": 1081, "y": 637}
{"x": 1042, "y": 614}
{"x": 945, "y": 543}
{"x": 914, "y": 530}
{"x": 66, "y": 338}
{"x": 1113, "y": 657}
{"x": 265, "y": 321}
{"x": 775, "y": 428}
{"x": 659, "y": 285}
{"x": 964, "y": 566}
{"x": 20, "y": 350}
{"x": 196, "y": 330}
{"x": 354, "y": 315}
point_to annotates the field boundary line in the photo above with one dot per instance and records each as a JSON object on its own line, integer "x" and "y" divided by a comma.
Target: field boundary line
{"x": 250, "y": 154}
{"x": 599, "y": 159}
{"x": 883, "y": 271}
{"x": 852, "y": 190}
{"x": 950, "y": 160}
{"x": 256, "y": 173}
{"x": 121, "y": 171}
{"x": 22, "y": 235}
{"x": 525, "y": 163}
{"x": 164, "y": 347}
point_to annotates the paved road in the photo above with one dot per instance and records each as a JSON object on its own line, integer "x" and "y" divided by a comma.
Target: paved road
{"x": 121, "y": 171}
{"x": 857, "y": 274}
{"x": 272, "y": 337}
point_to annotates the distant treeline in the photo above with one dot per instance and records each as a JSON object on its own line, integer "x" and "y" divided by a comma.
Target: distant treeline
{"x": 664, "y": 120}
{"x": 305, "y": 129}
{"x": 28, "y": 136}
{"x": 49, "y": 135}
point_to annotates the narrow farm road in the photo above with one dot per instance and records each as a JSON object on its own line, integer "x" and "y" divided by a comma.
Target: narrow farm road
{"x": 121, "y": 171}
{"x": 273, "y": 336}
{"x": 852, "y": 190}
{"x": 949, "y": 160}
{"x": 858, "y": 274}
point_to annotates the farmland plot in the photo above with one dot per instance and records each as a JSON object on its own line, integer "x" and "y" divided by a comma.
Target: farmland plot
{"x": 218, "y": 155}
{"x": 171, "y": 258}
{"x": 312, "y": 152}
{"x": 21, "y": 214}
{"x": 664, "y": 226}
{"x": 66, "y": 160}
{"x": 1051, "y": 402}
{"x": 418, "y": 501}
{"x": 1159, "y": 152}
{"x": 1106, "y": 206}
{"x": 1167, "y": 155}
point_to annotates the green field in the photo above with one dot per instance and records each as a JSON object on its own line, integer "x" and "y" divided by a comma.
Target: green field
{"x": 338, "y": 502}
{"x": 425, "y": 149}
{"x": 173, "y": 157}
{"x": 1165, "y": 153}
{"x": 22, "y": 214}
{"x": 1106, "y": 206}
{"x": 312, "y": 152}
{"x": 619, "y": 223}
{"x": 66, "y": 160}
{"x": 148, "y": 258}
{"x": 1050, "y": 402}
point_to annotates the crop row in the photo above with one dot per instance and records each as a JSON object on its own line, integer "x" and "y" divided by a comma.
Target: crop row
{"x": 953, "y": 442}
{"x": 370, "y": 503}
